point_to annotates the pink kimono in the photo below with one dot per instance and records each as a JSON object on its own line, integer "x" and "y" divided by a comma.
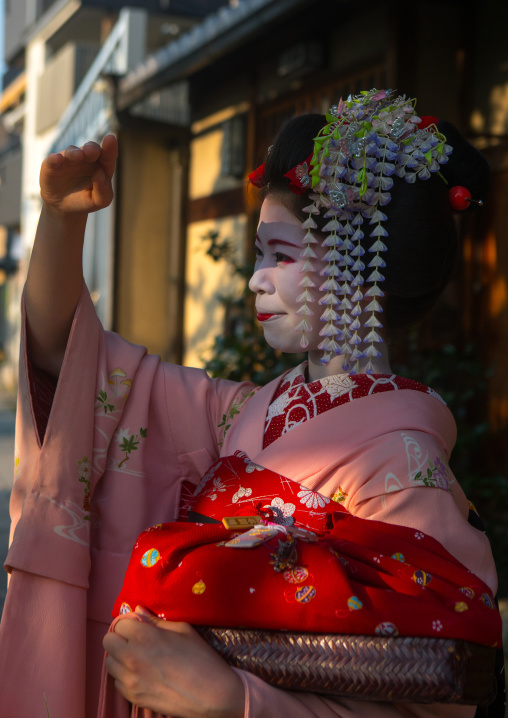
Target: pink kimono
{"x": 125, "y": 431}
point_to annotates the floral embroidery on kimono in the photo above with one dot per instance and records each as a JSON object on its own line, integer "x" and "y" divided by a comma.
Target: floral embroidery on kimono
{"x": 119, "y": 385}
{"x": 424, "y": 470}
{"x": 234, "y": 410}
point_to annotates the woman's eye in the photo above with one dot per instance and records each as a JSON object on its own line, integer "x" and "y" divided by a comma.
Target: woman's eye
{"x": 257, "y": 252}
{"x": 279, "y": 257}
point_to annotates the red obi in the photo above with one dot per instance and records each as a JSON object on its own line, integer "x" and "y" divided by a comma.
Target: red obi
{"x": 350, "y": 576}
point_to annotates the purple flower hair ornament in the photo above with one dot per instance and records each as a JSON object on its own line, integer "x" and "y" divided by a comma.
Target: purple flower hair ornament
{"x": 367, "y": 139}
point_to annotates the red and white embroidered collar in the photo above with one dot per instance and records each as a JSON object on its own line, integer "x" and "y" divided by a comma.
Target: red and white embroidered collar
{"x": 296, "y": 401}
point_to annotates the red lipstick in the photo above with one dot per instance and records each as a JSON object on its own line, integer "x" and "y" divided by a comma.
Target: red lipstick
{"x": 263, "y": 317}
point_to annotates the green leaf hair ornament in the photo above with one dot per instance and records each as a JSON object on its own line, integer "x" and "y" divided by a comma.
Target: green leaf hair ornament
{"x": 369, "y": 138}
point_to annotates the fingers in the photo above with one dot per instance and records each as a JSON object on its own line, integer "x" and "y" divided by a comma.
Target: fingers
{"x": 128, "y": 681}
{"x": 54, "y": 160}
{"x": 113, "y": 642}
{"x": 134, "y": 630}
{"x": 134, "y": 634}
{"x": 144, "y": 611}
{"x": 72, "y": 153}
{"x": 118, "y": 671}
{"x": 102, "y": 190}
{"x": 160, "y": 671}
{"x": 91, "y": 151}
{"x": 184, "y": 629}
{"x": 109, "y": 154}
{"x": 175, "y": 626}
{"x": 113, "y": 667}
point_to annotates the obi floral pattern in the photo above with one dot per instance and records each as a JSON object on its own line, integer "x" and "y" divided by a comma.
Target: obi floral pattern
{"x": 236, "y": 486}
{"x": 350, "y": 575}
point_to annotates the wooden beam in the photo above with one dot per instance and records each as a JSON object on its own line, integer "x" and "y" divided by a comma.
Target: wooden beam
{"x": 221, "y": 204}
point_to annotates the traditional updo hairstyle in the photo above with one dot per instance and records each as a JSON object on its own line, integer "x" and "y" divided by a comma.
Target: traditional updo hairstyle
{"x": 422, "y": 239}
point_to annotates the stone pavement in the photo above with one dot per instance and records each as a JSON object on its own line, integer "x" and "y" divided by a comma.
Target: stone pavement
{"x": 7, "y": 422}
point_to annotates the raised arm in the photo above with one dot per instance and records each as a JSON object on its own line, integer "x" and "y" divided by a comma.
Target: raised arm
{"x": 73, "y": 183}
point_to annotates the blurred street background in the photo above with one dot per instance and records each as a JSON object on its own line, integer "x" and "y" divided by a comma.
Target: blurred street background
{"x": 7, "y": 419}
{"x": 195, "y": 91}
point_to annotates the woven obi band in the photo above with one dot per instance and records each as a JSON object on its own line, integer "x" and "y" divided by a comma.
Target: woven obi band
{"x": 350, "y": 576}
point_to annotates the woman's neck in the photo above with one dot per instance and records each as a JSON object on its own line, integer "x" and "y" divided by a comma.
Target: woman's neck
{"x": 317, "y": 370}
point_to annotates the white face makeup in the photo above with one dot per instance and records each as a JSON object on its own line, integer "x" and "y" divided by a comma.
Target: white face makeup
{"x": 276, "y": 278}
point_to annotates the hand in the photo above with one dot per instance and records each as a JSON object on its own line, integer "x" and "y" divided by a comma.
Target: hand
{"x": 78, "y": 180}
{"x": 168, "y": 668}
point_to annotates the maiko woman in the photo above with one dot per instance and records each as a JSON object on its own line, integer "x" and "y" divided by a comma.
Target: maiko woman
{"x": 355, "y": 240}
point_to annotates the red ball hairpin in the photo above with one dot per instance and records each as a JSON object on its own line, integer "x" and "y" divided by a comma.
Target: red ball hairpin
{"x": 460, "y": 198}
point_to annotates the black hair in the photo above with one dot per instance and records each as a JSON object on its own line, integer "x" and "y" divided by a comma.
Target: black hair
{"x": 422, "y": 239}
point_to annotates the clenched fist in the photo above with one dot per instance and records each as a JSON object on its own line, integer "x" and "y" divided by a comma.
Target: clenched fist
{"x": 79, "y": 179}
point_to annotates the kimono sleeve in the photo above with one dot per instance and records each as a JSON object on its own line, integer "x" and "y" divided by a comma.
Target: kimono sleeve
{"x": 163, "y": 442}
{"x": 265, "y": 701}
{"x": 412, "y": 485}
{"x": 200, "y": 413}
{"x": 43, "y": 627}
{"x": 49, "y": 529}
{"x": 124, "y": 431}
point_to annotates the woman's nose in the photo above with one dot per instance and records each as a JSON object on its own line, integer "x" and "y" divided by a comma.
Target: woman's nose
{"x": 260, "y": 282}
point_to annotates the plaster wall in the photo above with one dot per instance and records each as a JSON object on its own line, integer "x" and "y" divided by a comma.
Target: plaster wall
{"x": 205, "y": 282}
{"x": 205, "y": 166}
{"x": 15, "y": 24}
{"x": 148, "y": 255}
{"x": 35, "y": 146}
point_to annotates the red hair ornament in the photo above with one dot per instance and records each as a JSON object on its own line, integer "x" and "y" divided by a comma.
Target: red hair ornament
{"x": 299, "y": 176}
{"x": 256, "y": 177}
{"x": 427, "y": 121}
{"x": 460, "y": 198}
